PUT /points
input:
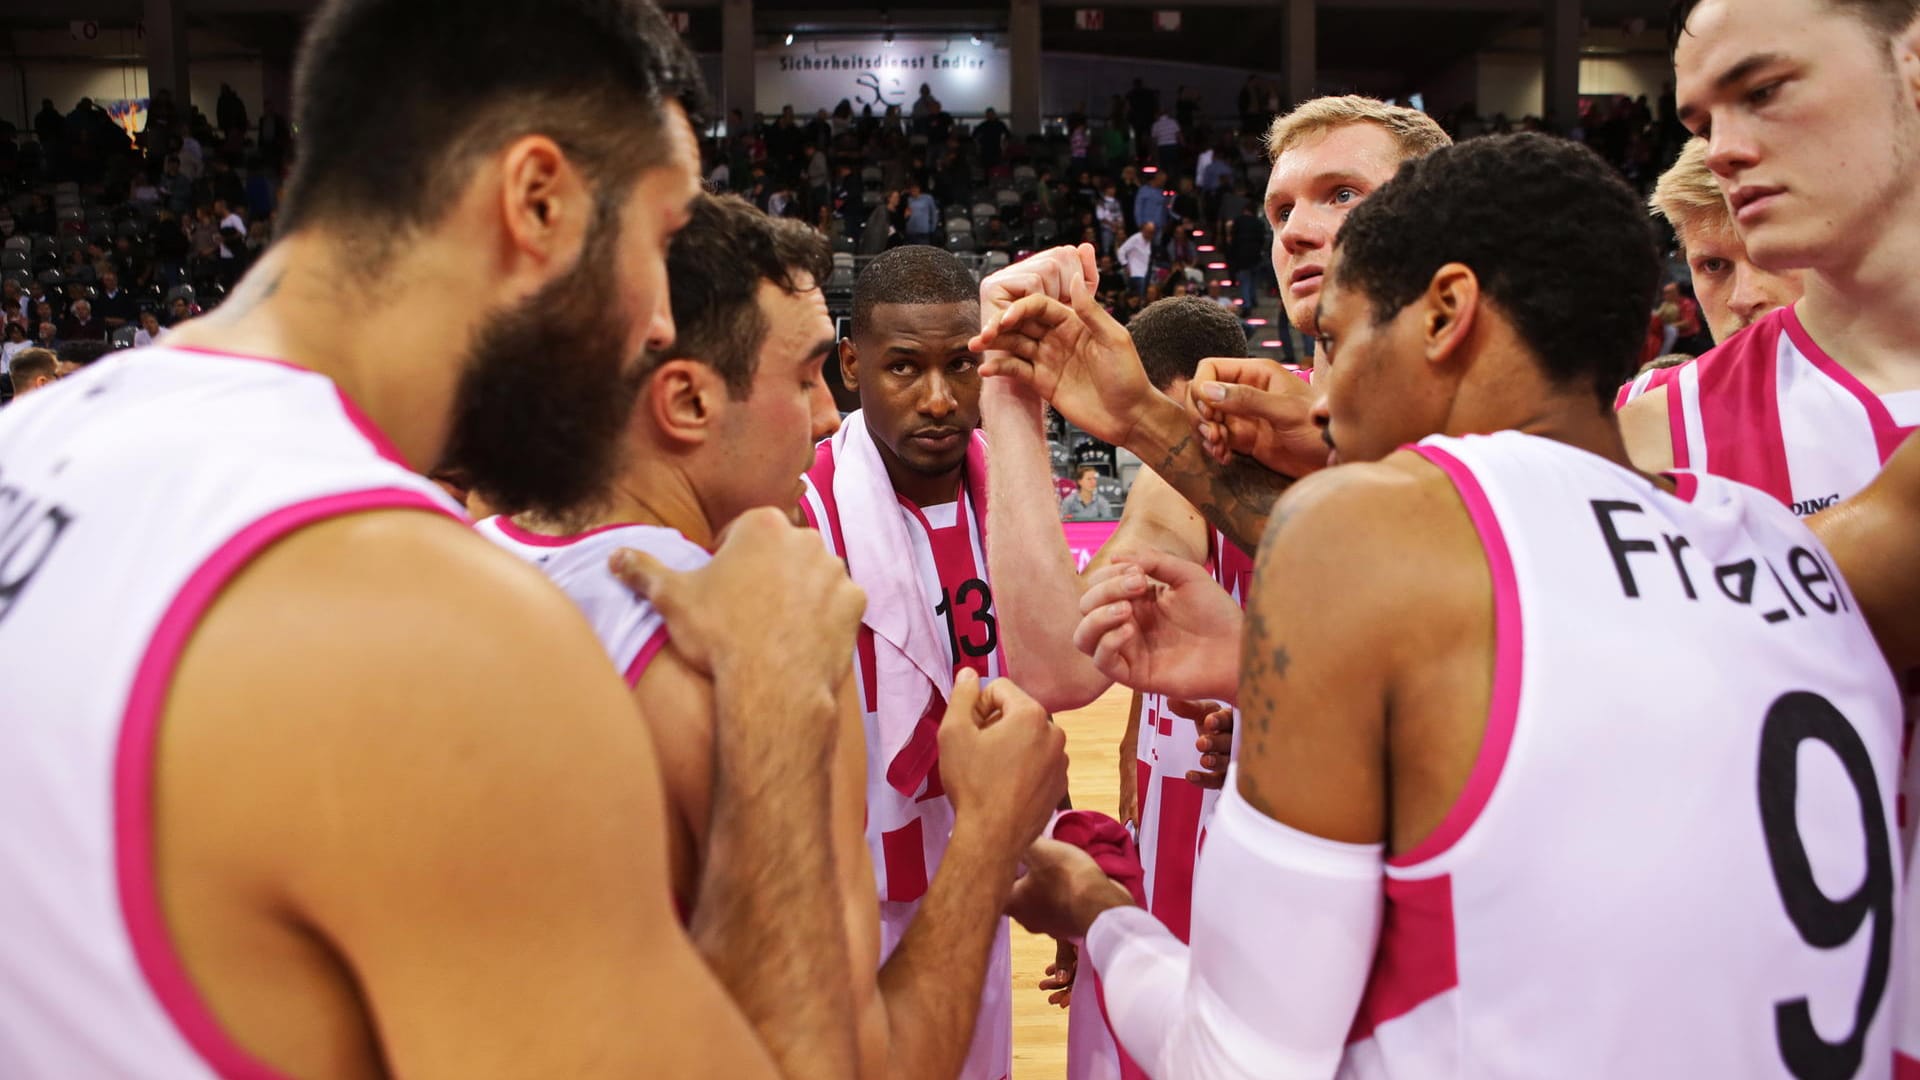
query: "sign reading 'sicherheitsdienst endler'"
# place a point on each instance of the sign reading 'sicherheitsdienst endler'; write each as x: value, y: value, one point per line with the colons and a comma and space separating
x: 817, y: 73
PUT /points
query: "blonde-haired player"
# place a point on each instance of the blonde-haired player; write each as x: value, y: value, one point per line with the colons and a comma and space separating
x: 1732, y: 290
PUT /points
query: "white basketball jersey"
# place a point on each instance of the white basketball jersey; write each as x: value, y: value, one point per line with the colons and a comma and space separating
x: 1676, y: 854
x: 130, y: 494
x: 630, y: 628
x: 908, y: 832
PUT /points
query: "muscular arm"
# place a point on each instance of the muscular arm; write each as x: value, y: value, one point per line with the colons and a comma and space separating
x: 1324, y: 691
x: 1872, y: 537
x: 374, y: 782
x: 1648, y: 435
x: 1036, y: 589
x: 1234, y: 498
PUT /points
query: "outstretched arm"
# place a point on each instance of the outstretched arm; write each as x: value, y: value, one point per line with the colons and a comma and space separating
x: 1036, y: 587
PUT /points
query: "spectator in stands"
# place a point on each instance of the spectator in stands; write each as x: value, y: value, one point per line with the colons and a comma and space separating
x: 923, y: 214
x: 1136, y: 257
x: 116, y: 305
x: 75, y: 355
x: 1150, y: 206
x: 1166, y: 144
x: 877, y: 235
x: 990, y: 135
x: 16, y: 343
x: 1112, y: 219
x: 33, y: 369
x: 924, y: 105
x: 230, y: 111
x: 13, y: 300
x: 1143, y: 104
x: 46, y: 336
x: 1246, y: 251
x: 180, y: 310
x: 1079, y: 146
x: 50, y: 128
x: 1087, y: 504
x: 80, y: 324
x: 149, y: 331
x: 229, y: 218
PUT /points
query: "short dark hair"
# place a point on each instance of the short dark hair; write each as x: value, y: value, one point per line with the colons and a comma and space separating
x: 394, y: 98
x: 1560, y: 245
x: 1887, y: 17
x: 30, y: 364
x: 913, y: 274
x: 714, y: 270
x: 1174, y: 334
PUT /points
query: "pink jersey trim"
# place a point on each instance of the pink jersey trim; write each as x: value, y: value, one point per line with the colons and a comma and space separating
x: 1887, y: 434
x: 533, y: 539
x: 1676, y: 422
x: 1504, y: 705
x: 1415, y: 961
x: 146, y: 924
x: 645, y: 656
x: 1685, y: 485
x: 355, y: 415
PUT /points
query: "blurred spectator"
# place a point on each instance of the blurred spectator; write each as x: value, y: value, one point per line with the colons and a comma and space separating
x: 231, y: 111
x: 1166, y: 144
x: 15, y: 344
x: 46, y: 335
x: 923, y: 214
x: 991, y: 136
x: 115, y: 306
x: 1136, y: 257
x: 80, y: 324
x: 1086, y: 504
x: 1150, y: 207
x: 150, y: 330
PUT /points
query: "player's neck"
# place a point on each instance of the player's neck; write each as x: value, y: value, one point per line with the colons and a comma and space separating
x: 1862, y: 316
x: 300, y: 305
x: 659, y: 496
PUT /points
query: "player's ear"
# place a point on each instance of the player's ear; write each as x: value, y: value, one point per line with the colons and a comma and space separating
x: 1450, y: 306
x: 849, y: 363
x: 1906, y: 54
x: 683, y: 399
x: 542, y: 202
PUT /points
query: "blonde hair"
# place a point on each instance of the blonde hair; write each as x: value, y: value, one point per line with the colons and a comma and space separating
x: 1687, y: 195
x: 1414, y: 131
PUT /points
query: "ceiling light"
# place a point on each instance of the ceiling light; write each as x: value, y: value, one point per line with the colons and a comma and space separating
x: 789, y: 39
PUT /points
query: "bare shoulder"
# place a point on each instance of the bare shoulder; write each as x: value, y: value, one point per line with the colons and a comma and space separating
x: 1647, y: 431
x: 405, y: 654
x: 1372, y: 540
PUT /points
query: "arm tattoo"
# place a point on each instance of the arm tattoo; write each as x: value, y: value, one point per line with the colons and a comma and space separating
x: 1235, y: 498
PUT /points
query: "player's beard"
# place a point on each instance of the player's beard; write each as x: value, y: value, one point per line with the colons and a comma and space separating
x: 548, y: 389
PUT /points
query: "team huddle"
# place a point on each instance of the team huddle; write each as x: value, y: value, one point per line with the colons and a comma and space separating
x: 1498, y: 712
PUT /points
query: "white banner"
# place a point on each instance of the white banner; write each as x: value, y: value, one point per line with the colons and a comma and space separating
x: 816, y: 73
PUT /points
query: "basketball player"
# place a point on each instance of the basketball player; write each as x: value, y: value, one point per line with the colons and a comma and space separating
x: 1811, y: 112
x: 1733, y: 292
x: 289, y: 789
x: 898, y: 493
x: 1328, y: 155
x: 722, y: 427
x: 1427, y: 815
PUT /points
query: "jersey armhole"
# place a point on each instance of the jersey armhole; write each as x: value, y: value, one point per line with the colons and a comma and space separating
x: 145, y: 922
x: 1504, y: 702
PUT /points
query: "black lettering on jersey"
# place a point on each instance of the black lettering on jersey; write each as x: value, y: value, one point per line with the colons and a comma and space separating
x: 1603, y: 511
x: 1742, y: 574
x: 1808, y: 572
x: 1675, y: 545
x: 1778, y: 580
x: 983, y: 636
x: 1808, y: 507
x: 26, y: 541
x: 1839, y: 584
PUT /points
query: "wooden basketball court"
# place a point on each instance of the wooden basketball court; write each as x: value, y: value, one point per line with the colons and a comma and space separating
x: 1093, y: 749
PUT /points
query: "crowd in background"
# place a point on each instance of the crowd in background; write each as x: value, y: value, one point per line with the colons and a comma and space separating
x: 111, y: 237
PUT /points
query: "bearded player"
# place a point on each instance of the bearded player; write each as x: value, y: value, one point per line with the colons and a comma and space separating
x: 269, y: 698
